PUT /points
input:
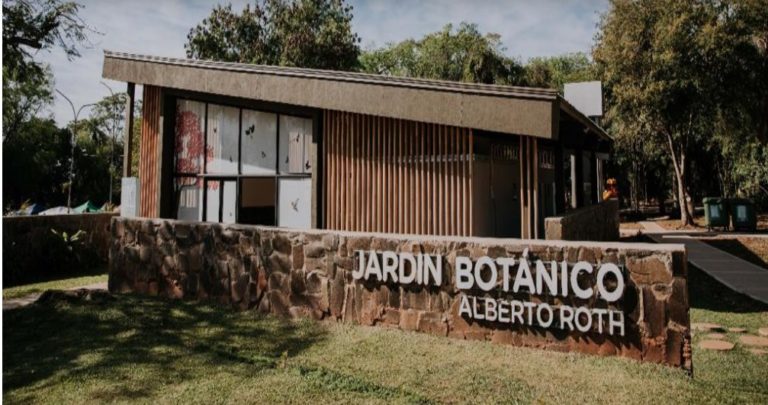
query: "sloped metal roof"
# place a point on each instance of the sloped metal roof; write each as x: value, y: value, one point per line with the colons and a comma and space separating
x: 511, y: 109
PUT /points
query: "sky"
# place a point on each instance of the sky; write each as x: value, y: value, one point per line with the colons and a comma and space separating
x: 528, y: 28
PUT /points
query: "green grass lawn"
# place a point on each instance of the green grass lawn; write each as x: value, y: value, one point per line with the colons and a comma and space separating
x: 150, y: 350
x: 37, y: 288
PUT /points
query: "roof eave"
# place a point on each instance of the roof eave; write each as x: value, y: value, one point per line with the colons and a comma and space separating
x: 569, y: 109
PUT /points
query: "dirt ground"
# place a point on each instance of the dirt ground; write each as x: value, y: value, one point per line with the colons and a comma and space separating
x: 674, y: 224
x: 751, y: 249
x: 630, y: 225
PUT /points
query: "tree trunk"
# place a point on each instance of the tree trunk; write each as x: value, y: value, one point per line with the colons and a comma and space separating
x: 683, y: 197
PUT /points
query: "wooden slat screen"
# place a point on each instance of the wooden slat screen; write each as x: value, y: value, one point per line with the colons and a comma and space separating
x: 396, y: 176
x: 149, y: 162
x: 529, y: 190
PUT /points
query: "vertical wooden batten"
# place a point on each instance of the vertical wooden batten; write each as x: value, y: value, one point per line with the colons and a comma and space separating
x: 149, y: 166
x: 397, y: 176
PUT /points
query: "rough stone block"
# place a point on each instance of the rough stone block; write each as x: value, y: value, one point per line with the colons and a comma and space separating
x: 297, y: 256
x: 315, y: 250
x: 391, y: 317
x: 649, y: 270
x: 330, y: 242
x: 278, y: 303
x: 409, y: 319
x: 336, y: 295
x: 432, y: 322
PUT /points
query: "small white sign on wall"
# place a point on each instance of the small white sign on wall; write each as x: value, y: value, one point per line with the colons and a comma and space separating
x: 129, y: 197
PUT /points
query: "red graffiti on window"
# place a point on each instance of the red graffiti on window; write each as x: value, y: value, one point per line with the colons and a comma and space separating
x: 189, y: 143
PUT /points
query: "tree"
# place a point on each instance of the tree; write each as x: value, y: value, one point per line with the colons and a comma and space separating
x: 23, y: 98
x: 303, y: 33
x: 672, y: 67
x: 30, y: 26
x: 105, y: 126
x: 554, y: 72
x: 463, y: 54
x: 35, y: 163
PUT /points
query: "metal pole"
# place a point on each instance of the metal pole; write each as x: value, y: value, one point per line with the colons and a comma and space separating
x: 112, y: 132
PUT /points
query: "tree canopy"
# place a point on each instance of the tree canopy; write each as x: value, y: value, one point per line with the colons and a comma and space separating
x: 460, y: 54
x: 303, y: 33
x: 673, y: 69
x: 28, y: 27
x: 554, y: 72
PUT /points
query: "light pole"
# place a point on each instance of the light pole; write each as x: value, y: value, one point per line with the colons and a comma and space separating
x: 112, y: 149
x: 72, y: 143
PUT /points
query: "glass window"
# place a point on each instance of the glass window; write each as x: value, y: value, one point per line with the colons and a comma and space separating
x: 188, y: 199
x: 229, y: 202
x: 295, y: 203
x: 257, y: 201
x: 212, y: 199
x: 295, y: 138
x: 259, y: 145
x: 221, y: 201
x: 222, y: 137
x: 272, y: 148
x: 188, y: 140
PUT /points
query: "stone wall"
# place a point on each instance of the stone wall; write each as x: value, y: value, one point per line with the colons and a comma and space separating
x: 309, y: 274
x: 599, y: 222
x: 31, y: 251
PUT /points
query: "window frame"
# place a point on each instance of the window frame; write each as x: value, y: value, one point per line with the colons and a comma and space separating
x: 205, y: 177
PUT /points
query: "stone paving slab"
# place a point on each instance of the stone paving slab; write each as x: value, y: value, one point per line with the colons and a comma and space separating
x: 651, y: 227
x: 736, y: 273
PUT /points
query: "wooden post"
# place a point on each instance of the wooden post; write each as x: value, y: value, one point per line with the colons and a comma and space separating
x: 578, y: 178
x: 521, y: 161
x: 128, y: 137
x: 559, y: 181
x: 535, y: 188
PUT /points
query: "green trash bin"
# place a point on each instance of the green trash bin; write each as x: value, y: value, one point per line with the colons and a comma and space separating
x: 743, y: 216
x: 716, y: 212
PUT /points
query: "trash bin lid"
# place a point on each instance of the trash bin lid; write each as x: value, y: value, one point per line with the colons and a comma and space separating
x: 740, y: 201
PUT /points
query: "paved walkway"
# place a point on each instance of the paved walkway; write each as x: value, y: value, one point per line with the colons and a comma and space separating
x: 736, y: 273
x: 29, y: 299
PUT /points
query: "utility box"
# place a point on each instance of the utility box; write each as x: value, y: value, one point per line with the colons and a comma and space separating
x: 129, y: 197
x: 716, y: 212
x: 743, y: 216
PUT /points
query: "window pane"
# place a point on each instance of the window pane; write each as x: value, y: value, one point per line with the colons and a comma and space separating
x: 188, y: 199
x: 229, y: 202
x: 294, y: 154
x: 257, y: 201
x: 259, y: 142
x: 212, y: 200
x: 188, y: 140
x: 223, y: 127
x: 295, y: 203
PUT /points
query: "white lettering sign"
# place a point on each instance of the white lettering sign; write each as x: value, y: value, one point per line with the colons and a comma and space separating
x: 515, y: 275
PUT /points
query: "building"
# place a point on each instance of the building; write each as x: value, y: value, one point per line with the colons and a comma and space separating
x: 227, y: 142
